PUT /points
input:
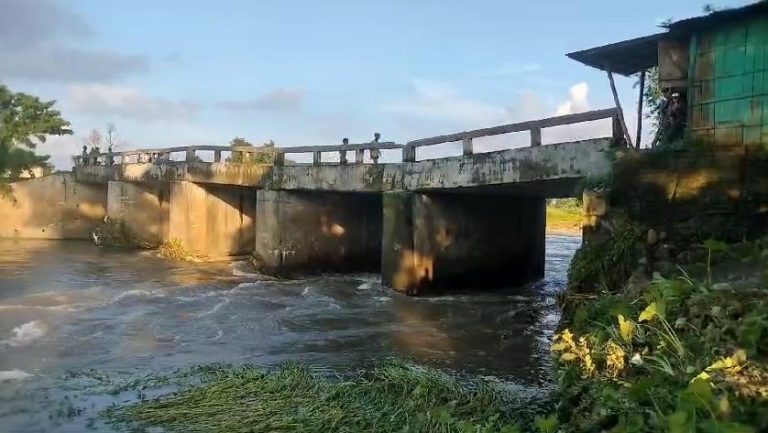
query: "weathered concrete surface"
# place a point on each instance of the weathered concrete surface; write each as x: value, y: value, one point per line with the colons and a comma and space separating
x: 144, y: 209
x: 437, y: 241
x: 52, y: 207
x: 315, y: 231
x: 213, y: 220
x: 540, y: 166
x: 255, y: 175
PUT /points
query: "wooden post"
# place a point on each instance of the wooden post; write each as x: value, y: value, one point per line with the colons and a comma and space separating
x: 466, y: 146
x: 317, y: 158
x: 216, y: 156
x: 359, y: 156
x: 639, y: 136
x: 535, y: 137
x: 618, y: 107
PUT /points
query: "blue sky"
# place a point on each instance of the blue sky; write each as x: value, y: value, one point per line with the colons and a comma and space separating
x: 306, y: 72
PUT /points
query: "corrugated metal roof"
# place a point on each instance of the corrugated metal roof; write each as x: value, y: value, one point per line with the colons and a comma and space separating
x: 635, y: 55
x: 625, y: 57
x: 691, y: 24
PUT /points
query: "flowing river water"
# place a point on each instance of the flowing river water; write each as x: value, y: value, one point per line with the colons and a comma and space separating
x: 72, y: 315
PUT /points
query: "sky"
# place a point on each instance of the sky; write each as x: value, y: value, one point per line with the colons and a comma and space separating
x: 172, y: 73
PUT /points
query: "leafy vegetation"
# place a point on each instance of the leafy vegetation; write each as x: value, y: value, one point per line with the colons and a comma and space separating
x: 112, y: 232
x: 685, y: 354
x: 393, y: 397
x: 266, y: 155
x: 604, y: 266
x: 25, y: 121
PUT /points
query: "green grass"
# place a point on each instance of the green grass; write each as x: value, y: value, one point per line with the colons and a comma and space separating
x: 564, y: 216
x: 393, y: 397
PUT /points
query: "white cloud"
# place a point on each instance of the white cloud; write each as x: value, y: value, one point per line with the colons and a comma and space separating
x: 283, y: 99
x: 577, y: 101
x: 128, y: 103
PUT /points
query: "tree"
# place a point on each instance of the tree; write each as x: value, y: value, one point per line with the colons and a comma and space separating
x: 25, y: 121
x: 94, y: 139
x: 266, y: 154
x: 110, y: 139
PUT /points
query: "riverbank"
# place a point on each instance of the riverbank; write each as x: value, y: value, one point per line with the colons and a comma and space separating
x: 564, y: 217
x: 685, y: 351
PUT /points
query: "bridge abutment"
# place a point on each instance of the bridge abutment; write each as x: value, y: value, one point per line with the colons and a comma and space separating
x: 299, y: 232
x: 434, y: 241
x: 143, y: 209
x: 213, y: 220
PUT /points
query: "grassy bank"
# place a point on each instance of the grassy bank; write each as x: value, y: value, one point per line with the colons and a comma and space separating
x: 393, y: 397
x: 564, y: 216
x: 685, y: 353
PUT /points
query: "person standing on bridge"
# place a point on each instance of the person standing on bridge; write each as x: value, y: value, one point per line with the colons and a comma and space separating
x: 343, y: 151
x: 374, y: 152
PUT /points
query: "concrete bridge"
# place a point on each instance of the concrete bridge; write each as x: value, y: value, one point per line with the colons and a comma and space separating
x: 466, y: 221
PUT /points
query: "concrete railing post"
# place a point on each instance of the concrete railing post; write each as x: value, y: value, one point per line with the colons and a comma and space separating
x: 190, y: 155
x: 216, y: 156
x: 359, y: 156
x: 409, y: 154
x: 317, y: 158
x: 535, y: 137
x: 279, y: 158
x: 466, y: 146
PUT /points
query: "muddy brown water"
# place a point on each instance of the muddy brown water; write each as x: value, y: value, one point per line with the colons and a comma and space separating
x: 70, y: 311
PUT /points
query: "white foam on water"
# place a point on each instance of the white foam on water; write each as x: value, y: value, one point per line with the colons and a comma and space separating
x: 214, y: 309
x: 365, y: 286
x: 14, y: 374
x: 26, y: 333
x: 219, y: 335
x: 382, y: 298
x: 138, y: 293
x: 306, y: 291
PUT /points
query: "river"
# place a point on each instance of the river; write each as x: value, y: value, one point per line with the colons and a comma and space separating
x: 72, y: 314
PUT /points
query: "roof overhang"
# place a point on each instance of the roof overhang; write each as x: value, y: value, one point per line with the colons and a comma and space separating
x: 625, y: 57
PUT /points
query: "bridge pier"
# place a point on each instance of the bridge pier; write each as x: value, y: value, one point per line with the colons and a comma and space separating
x: 299, y: 231
x: 143, y: 208
x: 212, y: 220
x: 435, y: 241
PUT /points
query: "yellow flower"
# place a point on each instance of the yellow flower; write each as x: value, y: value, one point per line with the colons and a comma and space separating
x: 650, y: 312
x: 626, y: 329
x: 615, y: 359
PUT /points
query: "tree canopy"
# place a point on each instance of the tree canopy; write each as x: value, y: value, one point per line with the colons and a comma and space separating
x: 25, y: 121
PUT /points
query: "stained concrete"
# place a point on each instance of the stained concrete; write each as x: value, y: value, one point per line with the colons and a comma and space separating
x: 564, y: 163
x: 213, y: 220
x: 313, y: 232
x: 455, y: 241
x: 144, y: 209
x: 52, y: 207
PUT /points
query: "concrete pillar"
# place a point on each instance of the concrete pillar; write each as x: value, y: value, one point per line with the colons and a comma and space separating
x: 142, y: 207
x: 213, y: 220
x: 459, y: 241
x: 300, y: 232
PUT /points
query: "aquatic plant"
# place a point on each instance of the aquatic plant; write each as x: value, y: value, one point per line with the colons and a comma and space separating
x: 173, y: 249
x: 393, y: 397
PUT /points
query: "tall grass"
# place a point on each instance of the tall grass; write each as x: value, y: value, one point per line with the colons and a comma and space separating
x: 393, y: 397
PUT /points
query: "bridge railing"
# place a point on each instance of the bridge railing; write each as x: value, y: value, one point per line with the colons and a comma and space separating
x: 276, y: 155
x: 533, y: 126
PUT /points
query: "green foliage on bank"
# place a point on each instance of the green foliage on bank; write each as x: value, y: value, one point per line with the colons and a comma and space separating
x: 682, y: 354
x: 605, y: 265
x: 25, y: 121
x: 112, y: 232
x: 393, y: 397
